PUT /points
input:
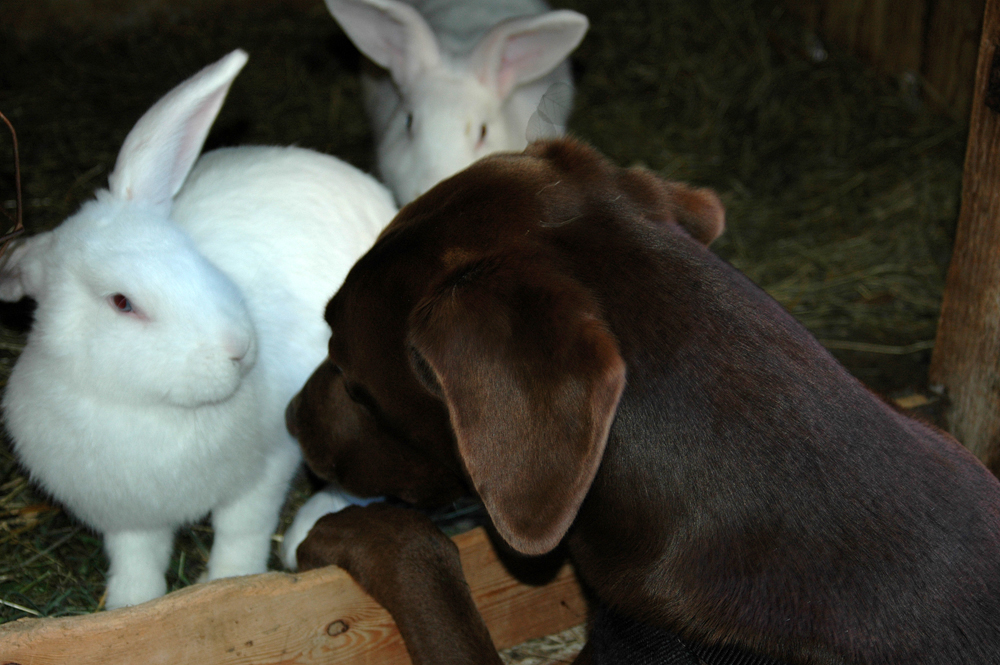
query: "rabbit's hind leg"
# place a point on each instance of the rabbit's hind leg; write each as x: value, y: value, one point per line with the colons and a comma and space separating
x: 139, y: 560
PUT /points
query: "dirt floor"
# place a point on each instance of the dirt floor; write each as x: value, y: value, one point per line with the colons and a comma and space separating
x: 841, y: 186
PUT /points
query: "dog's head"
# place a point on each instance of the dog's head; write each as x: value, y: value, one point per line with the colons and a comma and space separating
x: 466, y: 350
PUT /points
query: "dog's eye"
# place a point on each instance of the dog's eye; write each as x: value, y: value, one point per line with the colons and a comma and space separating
x: 355, y: 392
x: 359, y: 395
x: 424, y: 373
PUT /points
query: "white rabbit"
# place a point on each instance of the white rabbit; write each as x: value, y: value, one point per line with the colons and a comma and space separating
x: 330, y: 499
x: 171, y: 331
x: 466, y: 77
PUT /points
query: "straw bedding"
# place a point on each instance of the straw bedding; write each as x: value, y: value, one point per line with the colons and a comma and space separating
x: 841, y: 186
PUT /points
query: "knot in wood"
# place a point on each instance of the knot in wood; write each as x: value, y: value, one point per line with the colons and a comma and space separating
x: 338, y: 627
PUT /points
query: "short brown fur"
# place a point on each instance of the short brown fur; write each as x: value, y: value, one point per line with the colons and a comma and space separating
x: 550, y: 332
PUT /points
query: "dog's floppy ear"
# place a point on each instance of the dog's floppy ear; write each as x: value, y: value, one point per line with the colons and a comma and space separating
x: 531, y: 377
x: 697, y: 210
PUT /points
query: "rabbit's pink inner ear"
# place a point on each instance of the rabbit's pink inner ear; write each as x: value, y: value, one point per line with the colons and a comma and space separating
x: 391, y: 34
x: 520, y: 50
x: 162, y: 147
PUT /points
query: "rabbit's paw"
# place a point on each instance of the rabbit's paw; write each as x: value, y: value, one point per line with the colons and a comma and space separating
x: 139, y: 560
x: 132, y: 588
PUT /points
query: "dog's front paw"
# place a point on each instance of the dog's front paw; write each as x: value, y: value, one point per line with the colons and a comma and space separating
x: 383, y: 547
x: 330, y: 499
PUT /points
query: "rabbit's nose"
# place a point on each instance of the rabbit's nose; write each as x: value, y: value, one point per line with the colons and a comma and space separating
x: 238, y: 347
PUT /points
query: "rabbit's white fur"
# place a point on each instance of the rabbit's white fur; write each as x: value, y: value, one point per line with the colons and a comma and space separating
x: 330, y: 499
x: 465, y: 78
x: 142, y: 420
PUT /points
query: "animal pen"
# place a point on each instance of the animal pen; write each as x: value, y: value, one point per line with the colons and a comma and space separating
x: 835, y: 133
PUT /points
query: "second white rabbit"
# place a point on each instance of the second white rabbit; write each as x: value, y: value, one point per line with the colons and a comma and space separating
x: 466, y: 77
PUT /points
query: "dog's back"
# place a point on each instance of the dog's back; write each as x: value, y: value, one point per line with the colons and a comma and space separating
x: 767, y: 497
x: 554, y: 330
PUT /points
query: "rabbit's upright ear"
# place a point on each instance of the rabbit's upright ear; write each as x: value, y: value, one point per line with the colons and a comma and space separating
x: 531, y: 377
x: 160, y: 150
x: 520, y: 50
x: 22, y: 268
x: 392, y: 34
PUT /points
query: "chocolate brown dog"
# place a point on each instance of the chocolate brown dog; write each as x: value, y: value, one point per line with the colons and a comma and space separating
x: 552, y: 331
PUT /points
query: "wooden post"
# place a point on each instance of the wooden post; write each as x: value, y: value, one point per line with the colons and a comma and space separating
x: 317, y: 618
x: 966, y: 360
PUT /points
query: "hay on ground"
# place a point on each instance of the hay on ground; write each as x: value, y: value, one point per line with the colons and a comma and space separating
x: 841, y: 187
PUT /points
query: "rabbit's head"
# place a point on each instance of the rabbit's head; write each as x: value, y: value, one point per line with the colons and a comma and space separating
x: 128, y: 309
x: 443, y: 111
x: 442, y: 125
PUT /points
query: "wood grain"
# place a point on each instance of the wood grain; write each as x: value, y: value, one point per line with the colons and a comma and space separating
x: 951, y: 51
x: 887, y: 33
x: 283, y: 619
x: 967, y: 349
x: 938, y: 39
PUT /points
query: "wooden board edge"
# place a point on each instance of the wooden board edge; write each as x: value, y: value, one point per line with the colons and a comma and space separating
x: 320, y: 616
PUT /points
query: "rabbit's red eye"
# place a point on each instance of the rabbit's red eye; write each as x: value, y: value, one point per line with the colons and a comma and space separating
x: 482, y: 133
x: 121, y: 303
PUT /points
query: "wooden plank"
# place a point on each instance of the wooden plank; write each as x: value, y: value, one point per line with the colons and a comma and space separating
x: 937, y: 38
x: 841, y: 22
x: 950, y: 53
x: 282, y: 619
x: 967, y: 349
x: 888, y: 33
x: 807, y: 11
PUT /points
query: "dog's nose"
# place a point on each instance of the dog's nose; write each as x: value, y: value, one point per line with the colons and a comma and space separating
x: 290, y: 410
